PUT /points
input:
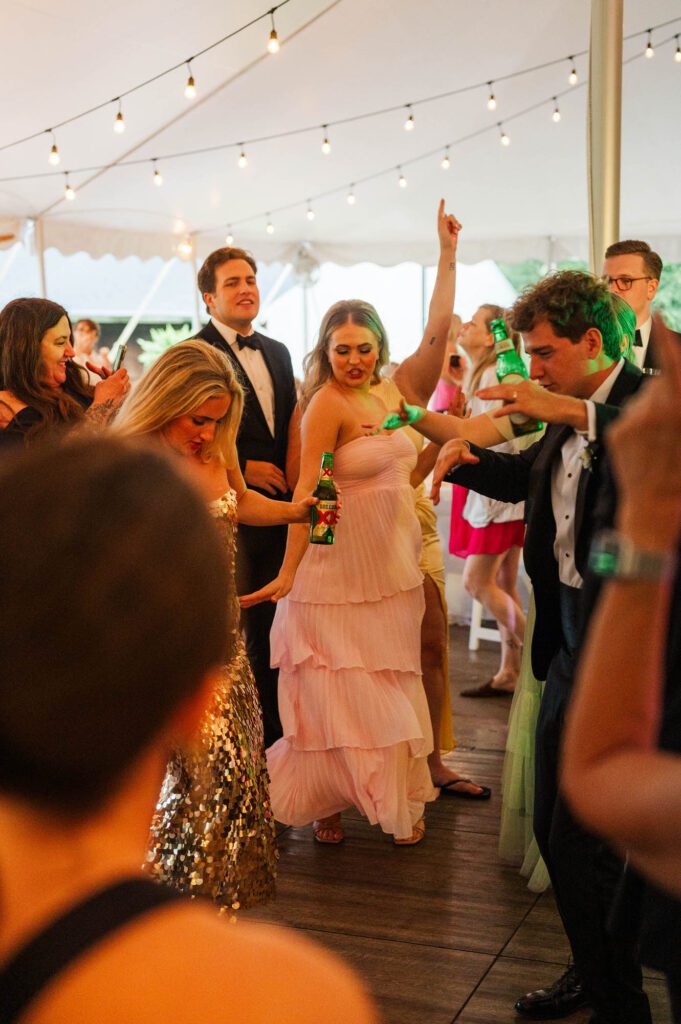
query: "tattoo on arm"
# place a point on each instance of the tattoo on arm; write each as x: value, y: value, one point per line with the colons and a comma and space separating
x: 100, y: 415
x: 432, y: 340
x: 452, y: 265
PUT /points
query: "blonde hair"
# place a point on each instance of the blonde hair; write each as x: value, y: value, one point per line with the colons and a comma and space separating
x: 181, y: 380
x: 489, y: 356
x: 316, y: 363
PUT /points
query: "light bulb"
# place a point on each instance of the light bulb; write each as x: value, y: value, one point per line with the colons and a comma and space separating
x: 54, y: 157
x: 270, y: 228
x: 402, y: 181
x: 351, y: 198
x: 119, y: 123
x: 677, y: 54
x: 229, y: 240
x: 310, y: 213
x: 326, y: 145
x: 273, y: 43
x: 190, y: 87
x: 185, y: 248
x: 69, y: 192
x: 446, y: 163
x: 491, y: 102
x: 409, y: 124
x: 556, y: 112
x: 158, y: 177
x: 650, y: 52
x: 243, y: 160
x: 572, y: 77
x: 504, y: 139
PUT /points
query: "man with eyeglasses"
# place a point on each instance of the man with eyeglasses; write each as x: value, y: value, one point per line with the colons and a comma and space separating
x: 632, y: 270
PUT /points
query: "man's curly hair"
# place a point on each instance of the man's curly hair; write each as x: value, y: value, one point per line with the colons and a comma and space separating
x: 571, y: 302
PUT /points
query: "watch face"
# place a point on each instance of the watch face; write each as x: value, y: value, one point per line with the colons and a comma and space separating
x: 604, y: 559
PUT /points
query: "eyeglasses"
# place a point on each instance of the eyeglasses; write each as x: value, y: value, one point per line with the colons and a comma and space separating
x: 623, y: 284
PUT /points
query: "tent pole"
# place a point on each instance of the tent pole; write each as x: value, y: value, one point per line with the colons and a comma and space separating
x: 151, y: 291
x: 196, y: 318
x: 604, y: 127
x: 40, y: 253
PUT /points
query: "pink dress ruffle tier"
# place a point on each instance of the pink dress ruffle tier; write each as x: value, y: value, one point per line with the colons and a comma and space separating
x: 347, y: 643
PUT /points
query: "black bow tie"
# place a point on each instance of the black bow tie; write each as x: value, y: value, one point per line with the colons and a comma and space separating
x: 638, y: 343
x: 252, y: 341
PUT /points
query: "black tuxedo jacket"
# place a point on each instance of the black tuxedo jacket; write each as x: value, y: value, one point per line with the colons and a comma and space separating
x: 651, y: 361
x: 527, y: 477
x: 254, y: 440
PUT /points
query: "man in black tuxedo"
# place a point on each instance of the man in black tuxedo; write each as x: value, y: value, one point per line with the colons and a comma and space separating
x: 632, y: 270
x: 227, y: 281
x: 571, y: 333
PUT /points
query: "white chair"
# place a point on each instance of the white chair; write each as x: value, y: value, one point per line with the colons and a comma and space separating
x: 479, y: 632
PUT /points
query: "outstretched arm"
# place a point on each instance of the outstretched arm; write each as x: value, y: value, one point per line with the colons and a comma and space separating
x: 611, y: 737
x: 255, y: 509
x: 418, y: 374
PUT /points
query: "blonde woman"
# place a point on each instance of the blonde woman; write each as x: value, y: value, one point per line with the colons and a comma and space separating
x: 213, y: 831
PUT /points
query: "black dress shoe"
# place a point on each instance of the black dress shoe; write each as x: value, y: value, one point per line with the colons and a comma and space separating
x: 564, y: 997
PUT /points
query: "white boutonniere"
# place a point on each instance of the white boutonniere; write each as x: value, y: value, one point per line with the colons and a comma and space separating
x: 587, y: 457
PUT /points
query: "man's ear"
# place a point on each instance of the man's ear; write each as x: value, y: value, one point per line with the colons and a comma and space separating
x: 594, y: 339
x: 652, y: 289
x: 209, y: 299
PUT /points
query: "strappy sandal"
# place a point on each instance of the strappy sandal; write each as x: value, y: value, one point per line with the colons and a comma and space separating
x: 416, y: 836
x: 328, y: 830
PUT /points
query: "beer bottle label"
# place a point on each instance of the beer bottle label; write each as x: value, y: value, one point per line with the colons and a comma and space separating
x: 516, y: 417
x: 324, y: 514
x: 503, y: 345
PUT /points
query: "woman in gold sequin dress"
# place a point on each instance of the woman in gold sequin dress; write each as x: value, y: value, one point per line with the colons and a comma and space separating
x: 213, y: 830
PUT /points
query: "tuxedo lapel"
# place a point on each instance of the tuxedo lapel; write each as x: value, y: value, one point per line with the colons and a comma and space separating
x: 252, y: 406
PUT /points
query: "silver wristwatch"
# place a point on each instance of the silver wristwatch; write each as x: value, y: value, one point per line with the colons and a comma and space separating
x: 616, y: 557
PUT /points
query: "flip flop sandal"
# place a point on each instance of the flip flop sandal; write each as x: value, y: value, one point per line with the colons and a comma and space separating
x: 463, y: 794
x: 486, y: 690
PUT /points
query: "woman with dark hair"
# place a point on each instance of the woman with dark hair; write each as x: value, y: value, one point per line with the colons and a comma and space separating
x: 42, y: 388
x: 213, y: 831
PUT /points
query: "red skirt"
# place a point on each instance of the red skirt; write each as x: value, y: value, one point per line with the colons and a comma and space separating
x: 495, y: 539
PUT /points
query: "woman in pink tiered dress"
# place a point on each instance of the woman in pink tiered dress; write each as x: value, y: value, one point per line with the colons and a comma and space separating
x: 347, y: 637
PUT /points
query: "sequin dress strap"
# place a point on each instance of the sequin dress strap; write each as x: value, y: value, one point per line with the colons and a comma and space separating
x: 70, y: 936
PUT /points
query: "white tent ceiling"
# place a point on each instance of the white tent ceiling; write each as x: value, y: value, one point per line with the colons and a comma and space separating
x: 339, y: 58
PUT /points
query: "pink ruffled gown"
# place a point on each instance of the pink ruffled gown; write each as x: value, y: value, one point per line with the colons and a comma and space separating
x: 347, y: 643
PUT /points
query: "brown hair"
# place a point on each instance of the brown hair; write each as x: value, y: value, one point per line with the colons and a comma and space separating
x: 206, y: 275
x: 571, y: 301
x: 632, y: 247
x: 91, y: 325
x: 488, y: 357
x: 23, y: 324
x: 316, y: 363
x: 107, y: 623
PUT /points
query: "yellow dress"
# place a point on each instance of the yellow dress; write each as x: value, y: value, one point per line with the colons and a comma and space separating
x: 213, y: 833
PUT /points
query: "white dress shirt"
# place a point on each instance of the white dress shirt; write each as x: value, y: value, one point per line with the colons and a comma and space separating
x: 565, y: 483
x: 254, y: 366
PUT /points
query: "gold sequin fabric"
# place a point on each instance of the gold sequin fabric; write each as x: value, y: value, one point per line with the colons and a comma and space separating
x: 213, y: 831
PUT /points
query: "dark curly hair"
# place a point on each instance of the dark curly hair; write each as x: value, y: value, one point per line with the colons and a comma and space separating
x: 571, y: 302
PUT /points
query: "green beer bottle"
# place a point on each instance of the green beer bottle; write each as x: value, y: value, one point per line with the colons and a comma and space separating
x: 323, y: 515
x: 511, y: 370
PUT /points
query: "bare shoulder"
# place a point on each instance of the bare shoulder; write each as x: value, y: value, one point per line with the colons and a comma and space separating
x: 187, y: 965
x: 325, y: 401
x: 10, y: 405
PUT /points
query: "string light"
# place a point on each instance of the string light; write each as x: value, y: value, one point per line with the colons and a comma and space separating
x: 54, y: 157
x: 410, y: 123
x: 677, y: 54
x: 190, y: 87
x: 119, y: 123
x: 243, y: 159
x: 273, y: 43
x: 573, y: 77
x: 555, y: 116
x: 491, y: 102
x: 401, y: 181
x: 69, y: 192
x: 185, y: 248
x: 310, y: 212
x: 446, y: 163
x: 351, y: 198
x: 157, y: 176
x: 270, y: 226
x: 650, y: 52
x: 503, y: 137
x: 229, y: 240
x: 326, y: 145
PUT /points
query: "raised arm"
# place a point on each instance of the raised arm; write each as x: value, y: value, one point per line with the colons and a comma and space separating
x: 320, y: 428
x: 418, y: 374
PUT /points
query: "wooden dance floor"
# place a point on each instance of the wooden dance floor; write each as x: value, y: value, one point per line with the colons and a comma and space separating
x: 443, y: 931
